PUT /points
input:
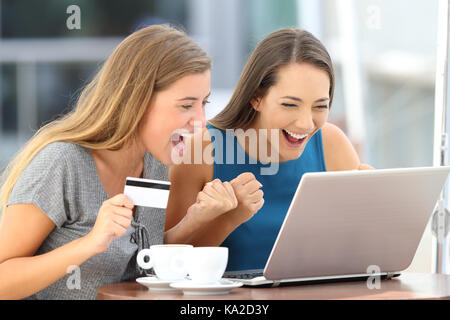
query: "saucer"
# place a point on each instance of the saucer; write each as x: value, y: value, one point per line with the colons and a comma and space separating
x: 194, y: 289
x: 153, y: 283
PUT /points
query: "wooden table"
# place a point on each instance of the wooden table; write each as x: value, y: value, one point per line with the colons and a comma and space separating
x: 406, y: 286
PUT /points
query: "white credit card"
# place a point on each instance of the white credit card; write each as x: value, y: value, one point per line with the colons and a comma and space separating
x: 147, y: 193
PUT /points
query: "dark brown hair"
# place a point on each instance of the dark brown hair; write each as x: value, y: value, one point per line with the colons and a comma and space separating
x: 278, y: 49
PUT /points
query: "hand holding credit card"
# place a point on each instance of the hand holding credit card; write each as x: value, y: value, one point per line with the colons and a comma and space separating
x: 147, y: 193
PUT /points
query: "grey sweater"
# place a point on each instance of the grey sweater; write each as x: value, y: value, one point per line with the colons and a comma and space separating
x: 62, y: 181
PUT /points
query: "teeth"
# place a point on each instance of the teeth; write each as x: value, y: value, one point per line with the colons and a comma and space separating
x: 187, y: 135
x: 295, y: 135
x: 180, y: 133
x: 175, y: 137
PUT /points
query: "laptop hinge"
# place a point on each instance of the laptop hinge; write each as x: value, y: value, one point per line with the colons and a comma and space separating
x: 276, y: 284
x: 390, y: 275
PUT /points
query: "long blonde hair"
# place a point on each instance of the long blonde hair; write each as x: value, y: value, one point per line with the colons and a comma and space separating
x: 110, y: 108
x: 278, y: 49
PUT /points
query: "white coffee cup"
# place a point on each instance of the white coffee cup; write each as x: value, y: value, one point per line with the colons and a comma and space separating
x: 206, y: 265
x: 167, y: 260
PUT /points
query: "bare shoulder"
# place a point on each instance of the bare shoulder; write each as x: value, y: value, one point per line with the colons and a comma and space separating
x: 338, y: 150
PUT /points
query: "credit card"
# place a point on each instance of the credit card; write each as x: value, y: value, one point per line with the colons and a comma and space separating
x: 147, y: 192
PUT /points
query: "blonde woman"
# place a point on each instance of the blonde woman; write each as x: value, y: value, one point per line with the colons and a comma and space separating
x: 277, y: 121
x: 64, y: 213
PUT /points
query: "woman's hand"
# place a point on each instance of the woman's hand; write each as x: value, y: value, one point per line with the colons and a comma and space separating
x: 250, y: 196
x: 113, y: 220
x: 364, y: 166
x: 216, y: 198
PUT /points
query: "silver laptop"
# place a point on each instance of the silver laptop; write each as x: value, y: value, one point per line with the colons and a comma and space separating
x: 350, y: 225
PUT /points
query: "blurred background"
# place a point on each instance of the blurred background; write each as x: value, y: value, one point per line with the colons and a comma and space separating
x: 384, y: 54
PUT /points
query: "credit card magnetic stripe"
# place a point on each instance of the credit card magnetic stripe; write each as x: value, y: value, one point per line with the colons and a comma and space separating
x: 146, y: 184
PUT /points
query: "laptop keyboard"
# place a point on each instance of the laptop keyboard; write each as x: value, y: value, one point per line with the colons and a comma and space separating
x: 245, y: 274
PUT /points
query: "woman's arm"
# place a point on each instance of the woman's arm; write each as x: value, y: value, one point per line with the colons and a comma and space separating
x: 215, y: 199
x: 187, y: 180
x: 214, y: 224
x: 23, y: 229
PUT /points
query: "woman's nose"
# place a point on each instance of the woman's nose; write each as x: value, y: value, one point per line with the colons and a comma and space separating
x: 305, y: 121
x: 198, y: 118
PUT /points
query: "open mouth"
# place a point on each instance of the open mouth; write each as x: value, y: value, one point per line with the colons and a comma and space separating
x: 178, y: 140
x: 294, y: 139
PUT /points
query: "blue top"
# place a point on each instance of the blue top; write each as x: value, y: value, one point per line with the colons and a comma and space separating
x: 251, y: 243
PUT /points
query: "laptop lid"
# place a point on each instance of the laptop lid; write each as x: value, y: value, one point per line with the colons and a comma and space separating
x: 342, y: 223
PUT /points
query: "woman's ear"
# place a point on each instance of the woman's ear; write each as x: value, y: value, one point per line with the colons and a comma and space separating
x: 255, y: 102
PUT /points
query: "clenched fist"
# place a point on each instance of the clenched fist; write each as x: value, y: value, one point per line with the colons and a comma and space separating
x: 216, y: 198
x: 249, y: 194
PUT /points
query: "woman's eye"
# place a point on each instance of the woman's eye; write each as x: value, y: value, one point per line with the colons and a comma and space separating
x: 289, y: 105
x: 322, y: 107
x: 205, y: 102
x: 187, y: 106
